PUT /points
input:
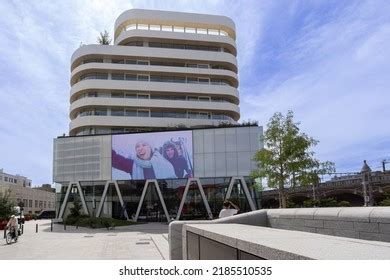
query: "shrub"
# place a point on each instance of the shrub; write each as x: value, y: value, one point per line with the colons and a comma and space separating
x: 344, y: 203
x: 385, y: 202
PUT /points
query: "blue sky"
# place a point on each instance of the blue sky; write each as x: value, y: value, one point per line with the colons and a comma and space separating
x: 328, y: 61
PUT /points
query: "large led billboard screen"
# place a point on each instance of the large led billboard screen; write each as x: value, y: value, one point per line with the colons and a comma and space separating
x: 157, y: 155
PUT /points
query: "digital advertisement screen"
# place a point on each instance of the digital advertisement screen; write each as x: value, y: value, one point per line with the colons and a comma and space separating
x: 157, y: 155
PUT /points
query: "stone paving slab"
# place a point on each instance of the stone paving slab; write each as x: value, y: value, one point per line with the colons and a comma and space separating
x: 135, y: 242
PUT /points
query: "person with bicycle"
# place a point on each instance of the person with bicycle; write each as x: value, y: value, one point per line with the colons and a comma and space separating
x: 12, y: 225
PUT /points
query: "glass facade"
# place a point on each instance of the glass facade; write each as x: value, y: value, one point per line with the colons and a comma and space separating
x: 194, y: 208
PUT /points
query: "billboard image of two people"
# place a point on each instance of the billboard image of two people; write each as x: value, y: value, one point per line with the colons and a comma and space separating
x: 157, y: 155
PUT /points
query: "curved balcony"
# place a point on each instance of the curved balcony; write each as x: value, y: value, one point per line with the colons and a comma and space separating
x: 148, y: 69
x: 174, y: 18
x: 211, y: 90
x: 176, y: 37
x: 218, y: 107
x: 112, y: 121
x: 98, y: 51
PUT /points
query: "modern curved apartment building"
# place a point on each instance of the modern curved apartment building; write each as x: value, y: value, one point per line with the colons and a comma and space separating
x: 164, y: 70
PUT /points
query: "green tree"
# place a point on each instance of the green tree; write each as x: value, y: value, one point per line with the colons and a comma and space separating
x: 104, y: 38
x: 287, y: 161
x: 75, y: 210
x: 6, y: 205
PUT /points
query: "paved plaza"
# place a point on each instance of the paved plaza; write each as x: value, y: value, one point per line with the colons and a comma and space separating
x: 136, y: 242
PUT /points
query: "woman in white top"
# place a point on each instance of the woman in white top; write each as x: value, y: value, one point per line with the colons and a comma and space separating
x: 229, y: 209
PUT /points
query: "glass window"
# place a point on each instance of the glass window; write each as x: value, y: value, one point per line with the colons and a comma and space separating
x: 115, y: 76
x: 117, y: 61
x: 203, y: 115
x: 131, y: 113
x: 143, y: 77
x: 131, y: 77
x: 131, y: 27
x: 131, y: 95
x: 203, y: 66
x: 178, y: 29
x: 155, y: 27
x: 213, y: 31
x: 143, y: 62
x: 44, y: 204
x: 204, y: 80
x: 192, y: 115
x: 190, y: 30
x: 30, y: 203
x: 36, y: 203
x: 204, y: 98
x: 192, y: 98
x: 92, y: 94
x: 223, y: 33
x: 101, y: 112
x: 143, y: 96
x: 143, y: 26
x: 143, y: 113
x: 201, y: 31
x: 166, y: 28
x: 193, y: 65
x: 131, y: 61
x: 117, y: 95
x: 117, y: 112
x: 192, y: 80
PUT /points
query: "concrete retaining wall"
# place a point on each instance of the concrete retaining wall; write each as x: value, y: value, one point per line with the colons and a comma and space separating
x: 369, y: 223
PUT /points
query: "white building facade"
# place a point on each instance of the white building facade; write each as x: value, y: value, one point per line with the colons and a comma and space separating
x: 164, y: 70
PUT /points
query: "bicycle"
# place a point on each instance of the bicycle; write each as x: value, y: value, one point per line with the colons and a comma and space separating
x: 11, y: 235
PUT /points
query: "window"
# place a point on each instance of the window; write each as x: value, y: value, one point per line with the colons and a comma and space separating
x: 223, y: 33
x: 30, y: 203
x: 143, y: 96
x: 44, y: 204
x: 36, y: 203
x: 192, y: 98
x: 204, y: 80
x: 203, y: 115
x: 178, y: 29
x: 117, y: 112
x: 131, y: 113
x: 40, y: 204
x: 192, y: 80
x: 190, y: 30
x: 115, y: 76
x: 193, y: 65
x: 118, y: 61
x: 92, y: 94
x: 213, y: 31
x: 166, y: 28
x: 143, y: 62
x: 117, y: 95
x: 131, y: 77
x: 155, y: 27
x: 131, y: 95
x: 131, y: 27
x: 204, y: 98
x: 201, y: 30
x: 6, y: 178
x: 143, y: 113
x: 143, y: 26
x: 131, y: 61
x: 100, y: 112
x: 143, y: 78
x: 203, y: 66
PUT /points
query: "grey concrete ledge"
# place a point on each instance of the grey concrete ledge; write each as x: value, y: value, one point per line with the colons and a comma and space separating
x: 271, y: 243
